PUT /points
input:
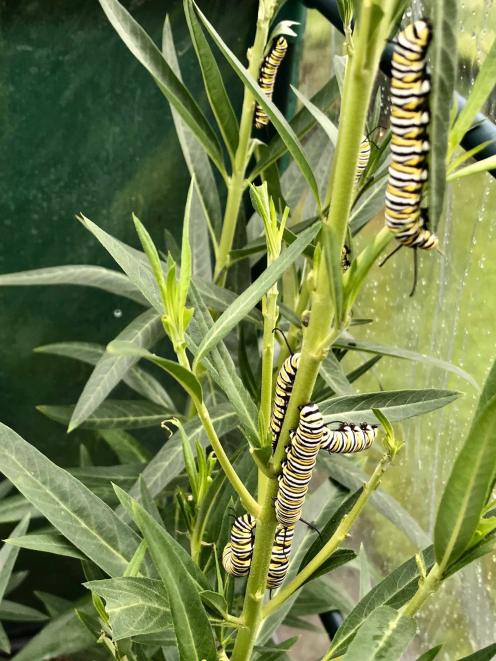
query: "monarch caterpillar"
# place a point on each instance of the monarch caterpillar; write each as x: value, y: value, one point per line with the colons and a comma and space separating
x: 298, y: 466
x: 279, y: 559
x: 345, y: 258
x: 284, y: 387
x: 237, y: 554
x: 349, y: 438
x: 408, y: 171
x: 363, y: 158
x: 267, y: 77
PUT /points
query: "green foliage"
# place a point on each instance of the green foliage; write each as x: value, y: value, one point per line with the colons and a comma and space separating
x: 150, y: 531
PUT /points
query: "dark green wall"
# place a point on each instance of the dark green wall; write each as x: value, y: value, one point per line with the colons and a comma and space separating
x: 82, y: 128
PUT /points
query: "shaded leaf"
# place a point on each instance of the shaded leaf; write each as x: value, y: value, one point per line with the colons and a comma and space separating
x: 196, y: 159
x: 395, y: 404
x: 397, y: 352
x: 142, y: 332
x: 193, y: 633
x: 214, y: 85
x: 125, y: 446
x: 250, y: 297
x: 74, y: 510
x: 383, y: 636
x: 443, y: 52
x: 332, y: 373
x: 76, y: 274
x: 430, y: 654
x: 46, y: 542
x: 278, y: 120
x: 394, y: 590
x: 10, y: 611
x: 467, y: 488
x: 8, y: 556
x: 112, y: 414
x: 344, y: 471
x: 136, y: 378
x: 135, y: 606
x: 147, y: 53
x: 484, y: 654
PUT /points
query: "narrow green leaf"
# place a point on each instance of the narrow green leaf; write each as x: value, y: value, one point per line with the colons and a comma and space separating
x: 46, y: 542
x: 320, y: 596
x: 250, y: 297
x: 147, y: 53
x: 484, y: 654
x: 384, y: 636
x: 196, y: 159
x: 443, y: 52
x: 221, y: 368
x: 321, y: 118
x: 485, y: 547
x: 15, y: 508
x: 4, y: 640
x: 395, y: 404
x: 214, y: 85
x: 193, y: 632
x: 330, y: 527
x: 168, y: 462
x: 301, y: 123
x: 142, y: 332
x: 481, y: 89
x: 10, y: 611
x: 152, y: 255
x: 136, y: 378
x: 136, y: 266
x: 182, y: 555
x: 368, y: 205
x: 63, y: 635
x: 332, y: 373
x: 135, y: 606
x: 335, y: 560
x: 344, y: 471
x: 146, y: 499
x: 484, y: 165
x: 53, y: 604
x: 397, y: 352
x: 8, y: 555
x: 17, y: 578
x: 430, y: 654
x: 112, y: 414
x: 73, y: 509
x: 280, y: 124
x: 184, y: 377
x: 467, y: 488
x: 125, y: 446
x: 186, y: 261
x: 394, y: 590
x: 76, y: 274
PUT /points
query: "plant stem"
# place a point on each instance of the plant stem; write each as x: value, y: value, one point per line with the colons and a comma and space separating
x: 255, y: 588
x: 426, y: 587
x: 237, y: 183
x: 320, y: 333
x: 270, y: 313
x: 332, y: 544
x: 245, y: 496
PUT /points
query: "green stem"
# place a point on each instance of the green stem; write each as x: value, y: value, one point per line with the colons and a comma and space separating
x: 245, y: 496
x: 255, y: 588
x: 334, y: 542
x: 270, y: 313
x: 427, y: 586
x: 237, y: 183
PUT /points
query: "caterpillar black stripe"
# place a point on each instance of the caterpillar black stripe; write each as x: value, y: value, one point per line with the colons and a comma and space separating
x: 349, y: 438
x: 238, y: 553
x: 408, y: 172
x: 284, y: 387
x: 298, y: 466
x: 363, y: 158
x: 267, y: 77
x: 279, y: 560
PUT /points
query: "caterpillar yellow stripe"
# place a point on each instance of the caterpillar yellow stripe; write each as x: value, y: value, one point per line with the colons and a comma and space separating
x: 267, y: 77
x: 408, y: 171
